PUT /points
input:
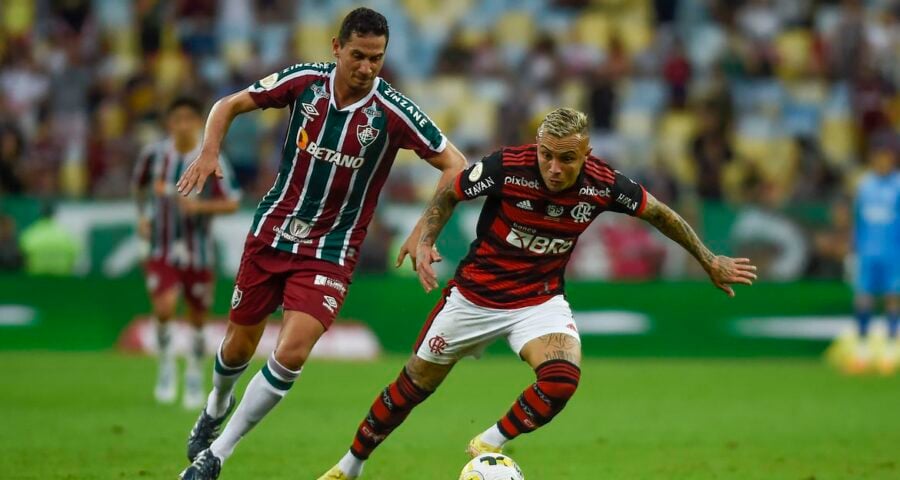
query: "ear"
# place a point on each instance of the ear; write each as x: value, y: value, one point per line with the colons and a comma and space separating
x: 335, y: 46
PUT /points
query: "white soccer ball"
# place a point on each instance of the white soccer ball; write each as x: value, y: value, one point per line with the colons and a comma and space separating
x: 492, y: 466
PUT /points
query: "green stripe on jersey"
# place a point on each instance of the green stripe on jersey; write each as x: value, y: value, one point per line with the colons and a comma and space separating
x: 333, y: 243
x: 420, y: 121
x: 288, y: 156
x: 314, y: 194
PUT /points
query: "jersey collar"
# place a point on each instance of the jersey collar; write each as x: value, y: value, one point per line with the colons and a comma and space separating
x: 353, y: 106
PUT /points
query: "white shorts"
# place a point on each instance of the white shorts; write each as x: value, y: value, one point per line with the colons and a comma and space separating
x: 461, y: 328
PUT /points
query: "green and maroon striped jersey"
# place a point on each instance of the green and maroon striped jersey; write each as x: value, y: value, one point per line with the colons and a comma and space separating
x: 334, y: 161
x: 180, y: 240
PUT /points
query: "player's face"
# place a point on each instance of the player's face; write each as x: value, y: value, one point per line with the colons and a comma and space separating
x: 561, y: 159
x: 184, y: 124
x: 360, y: 60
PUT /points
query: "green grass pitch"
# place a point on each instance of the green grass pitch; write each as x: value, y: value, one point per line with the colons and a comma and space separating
x: 91, y: 415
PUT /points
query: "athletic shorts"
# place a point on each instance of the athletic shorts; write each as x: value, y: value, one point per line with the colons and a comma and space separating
x: 268, y: 278
x: 457, y: 327
x: 195, y: 284
x: 878, y: 276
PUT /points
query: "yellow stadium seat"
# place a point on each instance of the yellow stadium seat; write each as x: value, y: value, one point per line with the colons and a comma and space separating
x: 838, y: 138
x: 594, y: 29
x: 676, y: 130
x: 515, y: 29
x: 313, y: 42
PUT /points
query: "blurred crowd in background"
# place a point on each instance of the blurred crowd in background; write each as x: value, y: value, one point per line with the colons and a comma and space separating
x: 760, y: 109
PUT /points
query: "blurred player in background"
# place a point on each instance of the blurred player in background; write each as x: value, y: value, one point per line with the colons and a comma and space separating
x: 346, y: 127
x: 540, y: 198
x: 181, y: 253
x: 876, y: 245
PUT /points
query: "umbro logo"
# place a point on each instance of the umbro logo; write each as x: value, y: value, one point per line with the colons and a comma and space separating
x: 309, y: 110
x: 525, y: 205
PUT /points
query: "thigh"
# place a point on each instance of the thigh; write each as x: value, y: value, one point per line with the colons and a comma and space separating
x: 317, y: 292
x: 546, y: 332
x: 457, y: 328
x: 869, y: 276
x: 160, y: 277
x: 198, y: 290
x: 299, y: 334
x: 257, y: 290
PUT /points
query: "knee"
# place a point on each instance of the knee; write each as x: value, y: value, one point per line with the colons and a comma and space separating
x: 292, y: 356
x: 236, y: 351
x: 558, y: 380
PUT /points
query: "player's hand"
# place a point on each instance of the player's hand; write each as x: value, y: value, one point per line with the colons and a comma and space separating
x: 143, y: 228
x: 409, y: 248
x: 425, y: 256
x: 196, y: 174
x: 725, y: 271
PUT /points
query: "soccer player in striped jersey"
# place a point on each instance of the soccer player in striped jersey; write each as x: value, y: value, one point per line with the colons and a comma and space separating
x: 181, y: 248
x: 346, y: 127
x: 540, y: 198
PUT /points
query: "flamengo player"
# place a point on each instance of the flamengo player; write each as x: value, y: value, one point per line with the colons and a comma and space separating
x: 181, y: 249
x: 539, y: 200
x: 345, y: 129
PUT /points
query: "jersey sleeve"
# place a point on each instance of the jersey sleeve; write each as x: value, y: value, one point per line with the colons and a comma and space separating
x: 142, y: 168
x: 628, y: 196
x: 484, y: 177
x: 420, y: 134
x: 227, y: 186
x: 280, y: 89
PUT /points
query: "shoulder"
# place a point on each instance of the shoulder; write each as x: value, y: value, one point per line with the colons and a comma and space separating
x: 397, y: 102
x: 598, y: 171
x: 519, y: 155
x: 298, y: 71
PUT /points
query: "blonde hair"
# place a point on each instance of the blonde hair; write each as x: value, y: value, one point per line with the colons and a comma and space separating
x: 563, y: 122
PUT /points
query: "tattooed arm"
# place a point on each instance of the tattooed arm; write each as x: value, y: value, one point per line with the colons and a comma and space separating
x: 433, y: 220
x: 722, y: 270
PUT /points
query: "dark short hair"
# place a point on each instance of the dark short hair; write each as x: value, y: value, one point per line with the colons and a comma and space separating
x: 188, y: 102
x: 363, y: 21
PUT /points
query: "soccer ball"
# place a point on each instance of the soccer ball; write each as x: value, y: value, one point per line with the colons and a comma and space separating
x: 491, y: 466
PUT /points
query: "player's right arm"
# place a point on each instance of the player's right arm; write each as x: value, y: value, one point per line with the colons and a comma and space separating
x: 482, y: 178
x: 220, y: 117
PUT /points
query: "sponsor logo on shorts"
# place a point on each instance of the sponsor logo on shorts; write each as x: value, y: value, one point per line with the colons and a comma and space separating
x: 437, y: 344
x: 236, y: 297
x: 330, y: 303
x: 330, y: 282
x: 572, y: 327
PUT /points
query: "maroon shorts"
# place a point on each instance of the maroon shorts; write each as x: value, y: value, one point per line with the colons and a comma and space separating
x: 195, y: 284
x: 268, y: 277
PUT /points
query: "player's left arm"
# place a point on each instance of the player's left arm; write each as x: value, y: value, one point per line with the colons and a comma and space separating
x: 430, y: 225
x: 450, y: 162
x: 723, y: 271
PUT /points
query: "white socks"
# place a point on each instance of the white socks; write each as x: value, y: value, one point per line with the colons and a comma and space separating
x: 492, y: 436
x: 350, y: 465
x: 265, y: 390
x: 224, y: 378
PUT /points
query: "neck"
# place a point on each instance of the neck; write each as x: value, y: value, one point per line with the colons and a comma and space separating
x: 185, y: 145
x: 346, y: 95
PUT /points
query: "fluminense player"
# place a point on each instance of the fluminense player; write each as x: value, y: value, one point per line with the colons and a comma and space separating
x: 876, y: 245
x: 181, y: 256
x: 346, y: 127
x: 539, y: 199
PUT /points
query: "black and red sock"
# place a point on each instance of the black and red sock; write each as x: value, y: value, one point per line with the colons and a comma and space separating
x: 556, y: 382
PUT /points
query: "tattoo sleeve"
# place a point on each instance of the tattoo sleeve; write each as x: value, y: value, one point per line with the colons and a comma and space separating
x: 673, y: 226
x: 437, y: 213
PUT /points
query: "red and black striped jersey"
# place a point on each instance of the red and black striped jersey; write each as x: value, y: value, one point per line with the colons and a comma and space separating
x: 176, y: 238
x: 526, y: 232
x: 334, y: 161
